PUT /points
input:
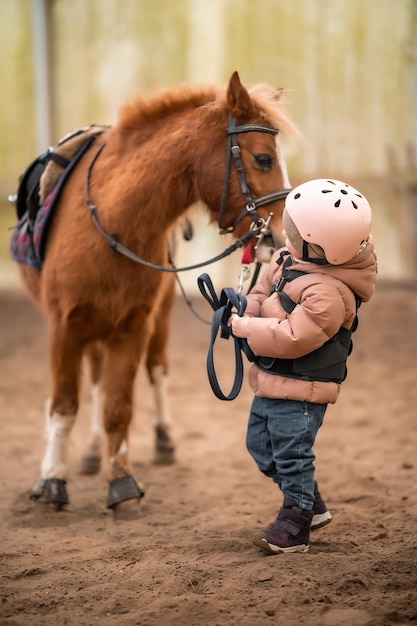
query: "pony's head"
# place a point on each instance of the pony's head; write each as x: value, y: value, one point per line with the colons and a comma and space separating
x: 255, y: 180
x: 217, y: 145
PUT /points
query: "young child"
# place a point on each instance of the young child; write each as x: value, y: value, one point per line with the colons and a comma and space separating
x: 298, y: 322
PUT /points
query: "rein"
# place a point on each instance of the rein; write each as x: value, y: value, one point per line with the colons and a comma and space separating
x: 116, y: 246
x: 259, y: 226
x: 229, y: 300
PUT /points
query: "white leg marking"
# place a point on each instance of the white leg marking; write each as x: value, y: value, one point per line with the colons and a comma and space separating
x: 122, y: 451
x: 96, y: 409
x: 94, y: 445
x: 123, y: 448
x: 163, y: 409
x: 58, y: 428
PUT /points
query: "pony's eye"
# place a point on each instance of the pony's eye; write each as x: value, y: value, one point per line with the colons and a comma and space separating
x: 263, y: 161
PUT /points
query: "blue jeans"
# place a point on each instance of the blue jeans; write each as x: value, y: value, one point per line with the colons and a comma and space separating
x: 280, y: 438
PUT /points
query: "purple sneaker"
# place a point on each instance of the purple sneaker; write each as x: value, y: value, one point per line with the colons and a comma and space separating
x: 321, y: 516
x: 289, y: 533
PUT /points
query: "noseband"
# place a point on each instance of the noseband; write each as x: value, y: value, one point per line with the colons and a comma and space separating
x: 233, y: 150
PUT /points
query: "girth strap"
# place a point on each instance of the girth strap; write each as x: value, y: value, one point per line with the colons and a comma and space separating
x: 222, y: 308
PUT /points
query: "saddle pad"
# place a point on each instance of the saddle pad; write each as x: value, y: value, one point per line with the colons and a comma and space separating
x: 28, y: 241
x: 25, y: 243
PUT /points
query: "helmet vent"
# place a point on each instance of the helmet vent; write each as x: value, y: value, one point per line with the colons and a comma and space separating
x: 326, y: 190
x: 343, y: 191
x: 337, y: 203
x: 297, y: 195
x: 355, y: 206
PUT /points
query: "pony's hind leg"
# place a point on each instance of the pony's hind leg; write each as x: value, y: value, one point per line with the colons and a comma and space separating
x: 61, y: 410
x: 157, y: 367
x: 91, y: 458
x: 119, y: 375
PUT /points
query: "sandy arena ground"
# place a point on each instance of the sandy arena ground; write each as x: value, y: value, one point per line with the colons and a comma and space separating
x: 186, y: 556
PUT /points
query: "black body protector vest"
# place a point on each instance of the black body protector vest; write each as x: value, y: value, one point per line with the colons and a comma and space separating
x: 325, y: 364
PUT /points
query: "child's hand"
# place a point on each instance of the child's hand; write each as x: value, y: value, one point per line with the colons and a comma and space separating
x: 239, y: 325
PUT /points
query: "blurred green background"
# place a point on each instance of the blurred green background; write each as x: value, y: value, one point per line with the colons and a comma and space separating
x: 349, y: 69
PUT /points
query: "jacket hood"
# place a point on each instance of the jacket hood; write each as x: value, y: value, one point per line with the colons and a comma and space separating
x: 359, y: 274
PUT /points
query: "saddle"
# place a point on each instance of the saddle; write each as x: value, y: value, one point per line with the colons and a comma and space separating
x: 42, y: 175
x: 39, y: 190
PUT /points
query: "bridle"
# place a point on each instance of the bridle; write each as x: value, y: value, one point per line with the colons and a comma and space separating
x: 233, y: 150
x: 259, y: 227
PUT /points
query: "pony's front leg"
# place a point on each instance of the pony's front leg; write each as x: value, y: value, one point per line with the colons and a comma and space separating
x: 61, y: 410
x: 119, y: 375
x: 157, y: 367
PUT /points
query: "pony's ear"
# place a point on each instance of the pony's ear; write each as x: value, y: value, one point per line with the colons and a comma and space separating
x: 278, y: 93
x: 238, y: 98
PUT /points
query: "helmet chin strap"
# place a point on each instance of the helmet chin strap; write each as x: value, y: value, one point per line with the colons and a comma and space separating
x: 305, y: 256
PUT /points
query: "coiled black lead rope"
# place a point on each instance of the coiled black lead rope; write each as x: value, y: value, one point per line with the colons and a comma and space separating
x: 222, y: 308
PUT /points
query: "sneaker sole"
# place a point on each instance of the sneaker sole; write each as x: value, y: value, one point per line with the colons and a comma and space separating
x: 320, y: 519
x: 270, y: 548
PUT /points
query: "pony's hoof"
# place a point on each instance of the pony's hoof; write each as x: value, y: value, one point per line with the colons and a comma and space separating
x: 121, y: 489
x: 52, y: 491
x: 90, y: 465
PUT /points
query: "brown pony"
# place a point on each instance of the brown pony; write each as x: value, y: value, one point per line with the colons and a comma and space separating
x: 126, y: 194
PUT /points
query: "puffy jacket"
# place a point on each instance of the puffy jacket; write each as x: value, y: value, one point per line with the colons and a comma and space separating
x: 325, y: 302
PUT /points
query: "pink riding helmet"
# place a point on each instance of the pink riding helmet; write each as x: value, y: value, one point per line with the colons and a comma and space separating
x: 333, y: 215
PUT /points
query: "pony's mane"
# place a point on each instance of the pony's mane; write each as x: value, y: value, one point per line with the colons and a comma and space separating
x: 140, y: 110
x: 271, y: 103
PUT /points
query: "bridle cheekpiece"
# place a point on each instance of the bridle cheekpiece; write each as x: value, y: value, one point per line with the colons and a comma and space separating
x: 259, y: 224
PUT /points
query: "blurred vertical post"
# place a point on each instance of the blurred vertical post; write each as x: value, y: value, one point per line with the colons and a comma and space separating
x: 40, y: 30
